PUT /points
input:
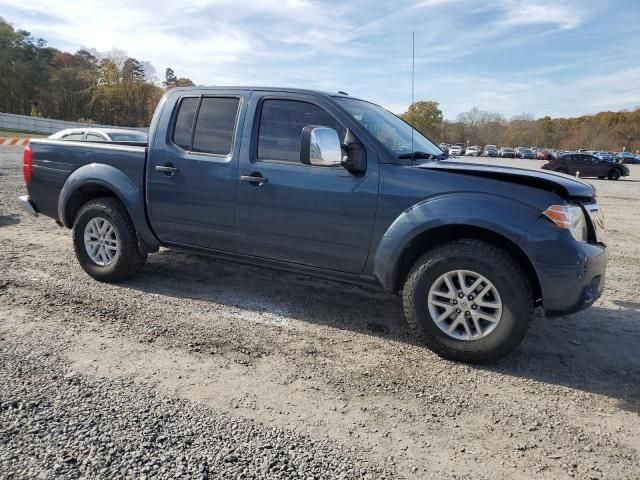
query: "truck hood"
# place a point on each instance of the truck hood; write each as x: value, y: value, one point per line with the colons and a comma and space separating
x: 563, y: 185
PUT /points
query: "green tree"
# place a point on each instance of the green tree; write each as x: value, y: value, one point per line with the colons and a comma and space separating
x: 426, y: 117
x: 171, y: 81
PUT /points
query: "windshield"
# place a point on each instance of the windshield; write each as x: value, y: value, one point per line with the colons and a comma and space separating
x: 391, y: 131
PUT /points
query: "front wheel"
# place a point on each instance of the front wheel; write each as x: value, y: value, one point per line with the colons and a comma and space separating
x: 469, y: 301
x: 614, y: 174
x: 105, y: 241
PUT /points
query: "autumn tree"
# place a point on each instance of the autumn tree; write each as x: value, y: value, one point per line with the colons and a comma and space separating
x: 426, y: 117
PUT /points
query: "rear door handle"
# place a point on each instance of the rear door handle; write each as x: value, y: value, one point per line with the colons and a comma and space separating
x: 254, y: 179
x: 169, y: 169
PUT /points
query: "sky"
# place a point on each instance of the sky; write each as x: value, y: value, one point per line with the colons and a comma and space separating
x: 544, y: 57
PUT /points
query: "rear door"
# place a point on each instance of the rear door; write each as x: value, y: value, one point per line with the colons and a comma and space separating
x: 191, y: 174
x: 311, y: 215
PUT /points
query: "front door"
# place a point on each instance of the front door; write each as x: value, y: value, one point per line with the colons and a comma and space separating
x: 191, y: 177
x: 288, y: 211
x: 586, y: 165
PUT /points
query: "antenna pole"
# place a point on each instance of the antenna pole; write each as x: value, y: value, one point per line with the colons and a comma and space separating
x: 413, y: 75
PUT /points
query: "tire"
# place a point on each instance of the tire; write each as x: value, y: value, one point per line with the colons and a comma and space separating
x: 500, y: 269
x: 614, y: 174
x: 127, y: 259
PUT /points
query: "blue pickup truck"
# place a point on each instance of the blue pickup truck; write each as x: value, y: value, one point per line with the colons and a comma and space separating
x: 336, y: 187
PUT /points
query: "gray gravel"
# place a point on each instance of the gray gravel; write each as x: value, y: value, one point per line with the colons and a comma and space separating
x: 59, y: 424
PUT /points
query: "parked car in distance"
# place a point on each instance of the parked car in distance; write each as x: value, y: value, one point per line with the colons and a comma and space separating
x: 462, y: 147
x: 100, y: 135
x: 304, y: 181
x: 491, y: 151
x: 456, y: 151
x: 526, y: 153
x: 507, y: 152
x: 603, y: 156
x: 444, y: 147
x: 627, y: 157
x: 583, y: 165
x: 473, y: 151
x: 544, y: 155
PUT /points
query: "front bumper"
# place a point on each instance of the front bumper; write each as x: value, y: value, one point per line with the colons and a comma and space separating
x: 25, y: 201
x: 571, y: 273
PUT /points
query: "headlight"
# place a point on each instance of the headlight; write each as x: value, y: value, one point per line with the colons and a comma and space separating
x: 570, y: 217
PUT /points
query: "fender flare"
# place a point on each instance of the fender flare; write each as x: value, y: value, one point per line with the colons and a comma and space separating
x: 503, y: 216
x: 131, y: 196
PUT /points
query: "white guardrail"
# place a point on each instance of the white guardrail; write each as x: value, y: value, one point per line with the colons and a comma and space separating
x: 10, y: 121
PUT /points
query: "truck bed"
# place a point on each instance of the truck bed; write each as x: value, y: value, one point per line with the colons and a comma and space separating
x: 54, y: 161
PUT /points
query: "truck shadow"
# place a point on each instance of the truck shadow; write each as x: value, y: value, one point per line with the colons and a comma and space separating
x: 594, y: 351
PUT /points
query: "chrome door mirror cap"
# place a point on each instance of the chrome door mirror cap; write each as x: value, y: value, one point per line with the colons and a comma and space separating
x: 320, y: 146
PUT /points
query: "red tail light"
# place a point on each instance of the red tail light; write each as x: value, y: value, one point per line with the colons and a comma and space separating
x: 27, y: 164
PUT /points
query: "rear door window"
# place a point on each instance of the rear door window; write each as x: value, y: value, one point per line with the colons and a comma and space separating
x: 215, y: 125
x: 92, y: 137
x: 78, y: 136
x: 184, y: 122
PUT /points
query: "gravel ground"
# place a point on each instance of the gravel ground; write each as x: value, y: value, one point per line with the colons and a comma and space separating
x: 203, y: 368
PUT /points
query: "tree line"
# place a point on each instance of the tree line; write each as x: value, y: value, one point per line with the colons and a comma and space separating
x: 108, y: 88
x: 610, y: 131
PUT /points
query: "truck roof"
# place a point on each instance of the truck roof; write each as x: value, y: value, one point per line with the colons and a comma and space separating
x: 263, y: 88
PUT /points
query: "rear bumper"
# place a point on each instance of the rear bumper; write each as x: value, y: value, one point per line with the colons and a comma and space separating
x: 26, y: 203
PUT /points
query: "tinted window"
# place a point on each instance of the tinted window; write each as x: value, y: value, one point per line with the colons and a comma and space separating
x: 73, y: 136
x: 92, y: 137
x: 281, y: 124
x: 184, y: 122
x: 215, y: 125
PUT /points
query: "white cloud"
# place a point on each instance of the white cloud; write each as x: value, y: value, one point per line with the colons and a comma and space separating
x: 528, y: 12
x: 468, y: 51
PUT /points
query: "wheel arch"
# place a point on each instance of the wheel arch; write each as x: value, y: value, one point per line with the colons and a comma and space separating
x: 431, y: 238
x: 100, y: 180
x: 81, y: 195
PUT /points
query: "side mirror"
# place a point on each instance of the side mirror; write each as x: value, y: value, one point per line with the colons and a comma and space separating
x: 320, y: 146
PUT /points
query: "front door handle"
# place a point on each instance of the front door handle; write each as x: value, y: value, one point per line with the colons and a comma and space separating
x: 169, y: 169
x: 254, y: 178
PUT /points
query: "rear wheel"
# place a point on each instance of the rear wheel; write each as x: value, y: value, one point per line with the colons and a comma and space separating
x: 614, y: 174
x: 105, y: 241
x: 469, y: 301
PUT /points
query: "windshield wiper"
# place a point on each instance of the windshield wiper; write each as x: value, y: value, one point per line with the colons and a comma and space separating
x: 415, y: 155
x: 426, y: 155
